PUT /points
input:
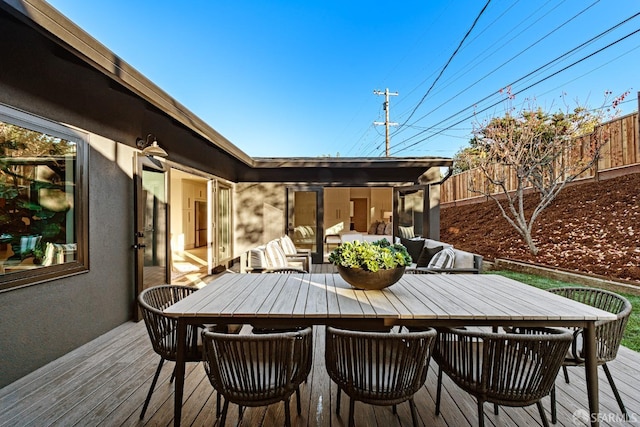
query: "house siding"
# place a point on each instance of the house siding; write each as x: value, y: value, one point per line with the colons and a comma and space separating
x: 41, y: 322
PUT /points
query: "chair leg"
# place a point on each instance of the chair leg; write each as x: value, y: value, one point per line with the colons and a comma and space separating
x: 153, y: 385
x: 287, y: 413
x: 495, y: 409
x: 439, y: 391
x: 395, y: 409
x: 554, y: 409
x: 223, y: 417
x: 173, y: 375
x: 480, y: 413
x: 414, y: 414
x: 566, y: 374
x: 218, y: 402
x: 298, y: 405
x: 338, y: 401
x: 543, y: 416
x: 352, y: 420
x: 615, y: 391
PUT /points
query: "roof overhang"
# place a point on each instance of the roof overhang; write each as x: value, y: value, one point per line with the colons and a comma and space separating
x: 348, y: 170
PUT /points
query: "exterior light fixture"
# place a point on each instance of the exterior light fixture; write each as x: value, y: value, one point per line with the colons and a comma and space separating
x: 150, y: 146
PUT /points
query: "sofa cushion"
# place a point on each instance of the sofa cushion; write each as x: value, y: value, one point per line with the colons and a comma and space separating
x: 414, y: 247
x: 443, y: 259
x: 406, y: 231
x: 463, y: 259
x: 430, y: 243
x: 380, y: 228
x: 426, y: 254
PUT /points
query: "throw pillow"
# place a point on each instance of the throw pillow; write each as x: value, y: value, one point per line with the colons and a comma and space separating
x: 427, y: 254
x: 373, y: 228
x: 406, y: 232
x: 381, y: 226
x: 443, y: 259
x: 414, y: 247
x: 388, y: 229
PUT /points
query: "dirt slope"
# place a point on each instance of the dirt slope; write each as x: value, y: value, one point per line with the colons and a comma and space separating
x: 592, y: 228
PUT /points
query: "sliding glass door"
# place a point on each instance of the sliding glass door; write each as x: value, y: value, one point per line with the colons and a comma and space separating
x: 304, y: 219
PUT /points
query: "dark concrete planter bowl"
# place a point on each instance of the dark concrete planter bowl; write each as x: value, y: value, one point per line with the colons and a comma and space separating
x: 363, y: 279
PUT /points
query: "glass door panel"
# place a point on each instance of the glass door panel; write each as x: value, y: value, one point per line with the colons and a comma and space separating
x: 224, y: 223
x: 411, y: 211
x: 151, y: 246
x: 304, y: 223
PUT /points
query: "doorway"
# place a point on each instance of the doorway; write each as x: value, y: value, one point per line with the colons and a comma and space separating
x: 360, y: 215
x: 151, y: 224
x: 304, y: 219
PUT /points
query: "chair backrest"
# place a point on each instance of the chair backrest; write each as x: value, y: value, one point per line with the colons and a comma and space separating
x: 515, y: 369
x: 275, y: 256
x: 608, y: 334
x: 378, y: 366
x: 162, y: 329
x: 257, y: 370
x: 287, y: 245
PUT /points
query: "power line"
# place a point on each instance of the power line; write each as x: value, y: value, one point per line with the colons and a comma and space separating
x: 520, y: 53
x: 515, y: 93
x: 448, y: 62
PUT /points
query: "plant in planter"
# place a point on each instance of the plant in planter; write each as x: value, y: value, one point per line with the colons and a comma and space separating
x: 367, y: 265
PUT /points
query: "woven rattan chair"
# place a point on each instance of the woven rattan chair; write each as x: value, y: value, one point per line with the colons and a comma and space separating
x: 258, y: 370
x: 163, y: 330
x: 608, y: 334
x: 510, y: 369
x: 378, y: 368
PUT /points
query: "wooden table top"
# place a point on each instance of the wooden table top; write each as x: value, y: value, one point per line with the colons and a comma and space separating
x: 435, y: 299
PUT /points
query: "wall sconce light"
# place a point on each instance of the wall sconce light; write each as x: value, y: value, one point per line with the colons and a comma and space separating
x: 150, y: 146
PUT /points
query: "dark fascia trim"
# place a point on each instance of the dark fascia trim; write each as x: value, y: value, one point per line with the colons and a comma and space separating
x: 351, y: 162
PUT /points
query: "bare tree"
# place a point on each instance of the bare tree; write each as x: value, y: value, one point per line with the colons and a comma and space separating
x: 534, y: 151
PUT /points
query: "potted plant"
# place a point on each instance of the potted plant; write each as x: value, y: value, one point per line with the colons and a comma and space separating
x: 367, y: 265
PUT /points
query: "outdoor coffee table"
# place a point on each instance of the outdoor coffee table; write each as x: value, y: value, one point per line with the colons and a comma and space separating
x: 416, y: 300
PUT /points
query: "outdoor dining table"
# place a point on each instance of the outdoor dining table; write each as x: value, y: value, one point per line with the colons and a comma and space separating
x: 416, y: 300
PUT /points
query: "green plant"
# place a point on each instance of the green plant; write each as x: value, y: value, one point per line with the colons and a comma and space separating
x: 379, y: 255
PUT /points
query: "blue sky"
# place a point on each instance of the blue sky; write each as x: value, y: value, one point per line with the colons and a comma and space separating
x: 297, y: 78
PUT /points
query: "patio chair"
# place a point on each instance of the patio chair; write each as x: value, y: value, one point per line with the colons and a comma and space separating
x: 163, y: 330
x: 258, y: 370
x: 608, y: 334
x: 510, y: 369
x: 292, y: 252
x: 378, y: 368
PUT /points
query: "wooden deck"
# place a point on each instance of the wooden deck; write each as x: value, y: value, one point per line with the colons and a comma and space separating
x: 104, y: 383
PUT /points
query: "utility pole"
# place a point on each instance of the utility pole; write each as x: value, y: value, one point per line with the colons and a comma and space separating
x: 386, y: 123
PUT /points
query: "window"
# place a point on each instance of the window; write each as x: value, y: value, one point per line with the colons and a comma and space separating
x: 41, y: 205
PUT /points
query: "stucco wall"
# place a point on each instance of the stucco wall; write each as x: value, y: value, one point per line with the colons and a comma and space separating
x: 42, y: 322
x: 259, y: 214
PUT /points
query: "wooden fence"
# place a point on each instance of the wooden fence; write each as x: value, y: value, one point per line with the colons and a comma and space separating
x: 621, y: 153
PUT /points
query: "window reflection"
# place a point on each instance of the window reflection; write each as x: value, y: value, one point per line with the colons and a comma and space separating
x: 37, y: 198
